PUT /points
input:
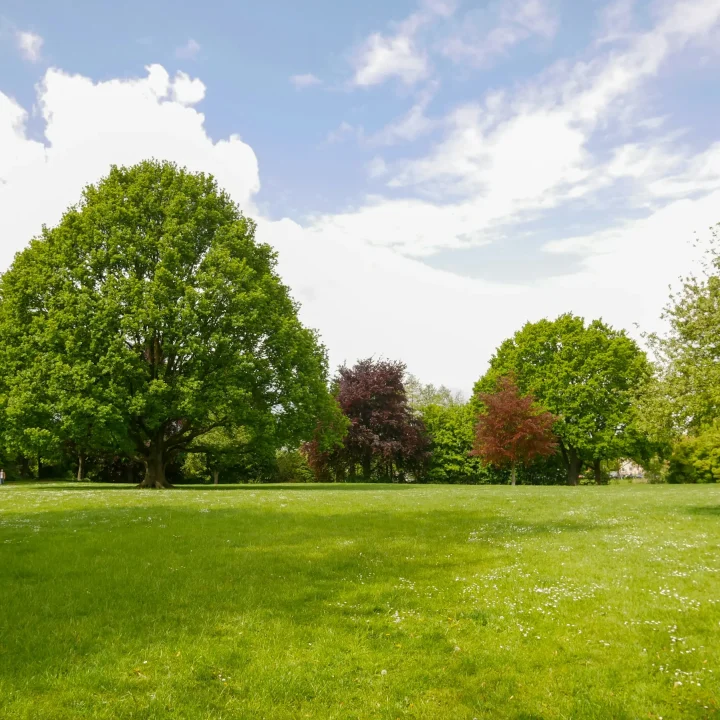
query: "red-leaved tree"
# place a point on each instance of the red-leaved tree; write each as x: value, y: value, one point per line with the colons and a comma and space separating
x: 513, y: 429
x: 384, y: 436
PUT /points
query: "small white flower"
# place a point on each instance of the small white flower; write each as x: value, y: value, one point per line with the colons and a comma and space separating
x: 383, y: 672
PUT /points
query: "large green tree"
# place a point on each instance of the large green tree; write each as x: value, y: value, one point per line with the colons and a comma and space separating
x: 149, y: 317
x: 587, y: 375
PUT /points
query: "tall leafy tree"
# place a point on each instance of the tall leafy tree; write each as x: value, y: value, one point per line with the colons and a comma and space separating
x: 585, y: 374
x: 513, y: 430
x: 150, y: 317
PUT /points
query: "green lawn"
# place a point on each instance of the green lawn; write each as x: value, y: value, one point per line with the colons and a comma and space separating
x: 359, y: 601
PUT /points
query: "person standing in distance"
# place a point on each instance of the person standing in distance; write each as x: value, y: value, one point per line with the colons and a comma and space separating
x: 2, y: 476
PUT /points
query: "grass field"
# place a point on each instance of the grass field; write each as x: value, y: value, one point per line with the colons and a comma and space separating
x: 359, y: 601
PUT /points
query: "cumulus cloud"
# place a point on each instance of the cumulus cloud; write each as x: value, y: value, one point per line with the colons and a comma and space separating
x: 304, y: 81
x: 187, y: 90
x: 30, y: 45
x: 88, y: 127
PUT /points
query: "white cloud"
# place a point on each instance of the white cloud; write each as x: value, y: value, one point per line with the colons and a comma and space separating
x: 187, y: 90
x: 478, y: 37
x: 384, y: 57
x: 30, y: 45
x: 88, y: 127
x: 640, y: 258
x: 698, y: 174
x: 616, y: 19
x: 371, y: 301
x: 304, y: 81
x: 399, y: 55
x: 446, y: 327
x: 189, y: 50
x: 414, y: 124
x: 512, y: 156
x: 485, y: 34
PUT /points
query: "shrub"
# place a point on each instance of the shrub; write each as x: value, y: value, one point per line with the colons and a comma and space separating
x: 696, y: 459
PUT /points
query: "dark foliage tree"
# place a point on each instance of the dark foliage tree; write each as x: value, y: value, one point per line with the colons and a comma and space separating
x: 384, y: 437
x: 513, y: 429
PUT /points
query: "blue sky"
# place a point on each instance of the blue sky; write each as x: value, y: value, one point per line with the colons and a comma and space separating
x: 432, y: 172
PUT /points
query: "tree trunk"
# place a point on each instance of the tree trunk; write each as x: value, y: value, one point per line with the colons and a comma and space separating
x: 216, y: 477
x: 513, y: 475
x: 25, y: 471
x: 574, y: 467
x: 39, y: 462
x: 367, y: 467
x: 155, y: 466
x: 81, y: 468
x: 599, y: 477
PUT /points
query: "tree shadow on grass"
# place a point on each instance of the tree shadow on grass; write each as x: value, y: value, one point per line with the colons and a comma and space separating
x: 712, y: 510
x: 114, y: 580
x: 270, y: 487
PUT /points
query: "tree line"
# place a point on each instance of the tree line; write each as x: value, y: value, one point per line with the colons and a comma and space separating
x: 148, y: 338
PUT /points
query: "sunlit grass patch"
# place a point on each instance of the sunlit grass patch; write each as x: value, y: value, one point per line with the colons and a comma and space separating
x: 359, y: 602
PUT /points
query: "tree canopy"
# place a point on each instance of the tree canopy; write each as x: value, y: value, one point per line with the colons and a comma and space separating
x: 585, y: 374
x: 149, y: 317
x: 450, y: 430
x: 512, y: 430
x: 384, y: 437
